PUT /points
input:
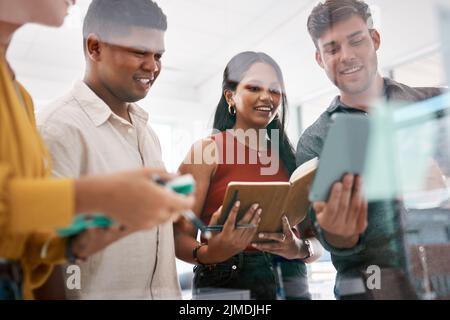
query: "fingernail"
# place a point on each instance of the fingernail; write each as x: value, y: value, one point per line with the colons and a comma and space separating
x: 259, y: 211
x: 254, y: 245
x: 237, y: 204
x: 255, y: 206
x: 261, y: 235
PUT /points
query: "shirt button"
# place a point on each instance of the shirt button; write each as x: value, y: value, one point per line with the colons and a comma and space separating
x: 234, y: 267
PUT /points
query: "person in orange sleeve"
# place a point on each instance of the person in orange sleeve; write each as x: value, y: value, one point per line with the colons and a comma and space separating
x: 32, y: 204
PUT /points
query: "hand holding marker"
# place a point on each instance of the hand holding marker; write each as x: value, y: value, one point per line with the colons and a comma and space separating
x: 184, y: 185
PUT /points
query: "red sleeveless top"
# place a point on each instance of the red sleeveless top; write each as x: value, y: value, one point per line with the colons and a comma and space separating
x: 233, y: 166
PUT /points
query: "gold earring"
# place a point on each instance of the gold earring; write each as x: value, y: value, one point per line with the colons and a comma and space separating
x: 231, y: 110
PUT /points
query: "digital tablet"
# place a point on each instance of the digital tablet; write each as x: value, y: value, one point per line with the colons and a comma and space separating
x: 344, y: 151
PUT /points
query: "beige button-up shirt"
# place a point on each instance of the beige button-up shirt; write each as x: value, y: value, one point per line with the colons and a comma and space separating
x: 85, y: 137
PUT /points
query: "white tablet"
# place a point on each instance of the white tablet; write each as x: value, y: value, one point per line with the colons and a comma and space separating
x: 344, y: 151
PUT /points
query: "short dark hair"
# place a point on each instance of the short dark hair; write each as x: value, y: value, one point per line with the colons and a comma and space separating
x: 330, y: 12
x: 114, y: 17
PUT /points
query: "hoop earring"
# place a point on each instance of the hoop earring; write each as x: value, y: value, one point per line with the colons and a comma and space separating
x: 231, y: 110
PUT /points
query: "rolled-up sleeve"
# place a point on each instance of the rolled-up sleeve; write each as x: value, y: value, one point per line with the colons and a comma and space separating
x: 42, y: 251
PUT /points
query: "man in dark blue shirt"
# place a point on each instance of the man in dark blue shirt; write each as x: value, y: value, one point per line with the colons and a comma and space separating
x: 357, y: 234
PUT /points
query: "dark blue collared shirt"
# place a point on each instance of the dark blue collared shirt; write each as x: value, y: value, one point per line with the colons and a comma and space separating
x: 381, y: 243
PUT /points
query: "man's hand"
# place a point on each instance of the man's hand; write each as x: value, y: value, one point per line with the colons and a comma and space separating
x: 344, y: 216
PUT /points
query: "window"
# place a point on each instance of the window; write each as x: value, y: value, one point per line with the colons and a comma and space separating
x: 420, y: 72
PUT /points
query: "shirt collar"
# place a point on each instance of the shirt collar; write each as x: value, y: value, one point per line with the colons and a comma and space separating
x: 97, y: 110
x: 336, y: 104
x: 389, y: 84
x: 138, y: 113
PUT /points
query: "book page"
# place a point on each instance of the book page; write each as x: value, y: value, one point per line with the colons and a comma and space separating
x: 297, y: 203
x: 304, y: 169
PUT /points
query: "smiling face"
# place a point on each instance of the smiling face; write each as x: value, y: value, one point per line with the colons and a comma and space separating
x: 347, y: 53
x: 128, y: 66
x: 257, y: 97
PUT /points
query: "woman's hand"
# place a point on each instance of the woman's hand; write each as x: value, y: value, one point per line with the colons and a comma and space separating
x: 287, y: 244
x: 231, y: 240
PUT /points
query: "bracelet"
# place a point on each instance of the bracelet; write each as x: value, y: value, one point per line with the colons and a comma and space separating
x: 310, y: 248
x: 195, y: 252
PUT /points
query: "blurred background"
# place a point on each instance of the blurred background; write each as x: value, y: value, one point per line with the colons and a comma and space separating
x: 201, y: 38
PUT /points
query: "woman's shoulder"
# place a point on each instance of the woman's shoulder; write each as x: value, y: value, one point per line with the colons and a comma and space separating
x: 216, y: 136
x: 203, y: 153
x: 210, y: 141
x: 204, y: 142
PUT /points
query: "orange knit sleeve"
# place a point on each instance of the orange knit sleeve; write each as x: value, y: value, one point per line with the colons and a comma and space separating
x: 42, y: 252
x: 39, y: 204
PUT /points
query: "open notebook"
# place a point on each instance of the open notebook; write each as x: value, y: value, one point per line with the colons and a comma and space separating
x: 275, y: 198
